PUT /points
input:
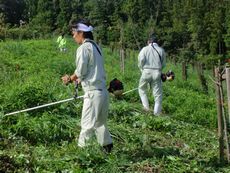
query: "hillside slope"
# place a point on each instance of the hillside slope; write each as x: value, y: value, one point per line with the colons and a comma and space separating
x: 183, y: 139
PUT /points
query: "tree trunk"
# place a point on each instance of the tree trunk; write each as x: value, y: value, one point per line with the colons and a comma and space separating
x: 202, y: 78
x: 193, y: 66
x: 174, y: 61
x: 184, y: 71
x: 127, y: 53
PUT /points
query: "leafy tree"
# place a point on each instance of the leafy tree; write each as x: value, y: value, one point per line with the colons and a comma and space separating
x: 197, y: 25
x: 64, y: 15
x: 194, y: 30
x: 218, y: 28
x: 77, y: 9
x: 13, y: 11
x: 3, y: 27
x: 31, y: 9
x: 227, y: 24
x: 44, y: 20
x: 180, y: 35
x: 100, y: 12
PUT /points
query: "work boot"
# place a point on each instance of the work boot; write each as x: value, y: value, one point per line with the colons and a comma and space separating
x: 108, y: 148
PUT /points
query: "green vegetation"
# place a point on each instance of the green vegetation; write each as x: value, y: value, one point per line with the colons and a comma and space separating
x: 195, y: 34
x: 192, y: 32
x: 184, y: 139
x: 196, y: 27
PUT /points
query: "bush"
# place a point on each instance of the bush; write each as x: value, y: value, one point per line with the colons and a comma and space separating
x: 47, y: 128
x: 29, y: 96
x: 23, y: 33
x: 19, y: 33
x: 2, y: 34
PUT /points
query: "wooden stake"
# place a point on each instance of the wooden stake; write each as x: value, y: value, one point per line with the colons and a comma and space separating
x: 219, y: 116
x: 228, y: 117
x: 122, y: 49
x: 228, y: 91
x: 122, y: 60
x: 225, y: 124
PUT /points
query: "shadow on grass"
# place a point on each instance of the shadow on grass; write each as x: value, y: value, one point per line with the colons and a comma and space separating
x: 7, y: 164
x: 151, y: 152
x: 144, y: 153
x: 214, y: 163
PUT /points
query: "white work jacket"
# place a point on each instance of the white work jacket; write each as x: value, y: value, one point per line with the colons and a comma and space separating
x: 90, y: 67
x: 148, y: 57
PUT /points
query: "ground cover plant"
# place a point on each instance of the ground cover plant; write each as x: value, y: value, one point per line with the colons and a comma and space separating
x: 183, y: 139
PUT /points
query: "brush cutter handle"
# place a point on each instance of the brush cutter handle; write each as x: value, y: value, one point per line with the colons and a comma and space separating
x: 76, y: 89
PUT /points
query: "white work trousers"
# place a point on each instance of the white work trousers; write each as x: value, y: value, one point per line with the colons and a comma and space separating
x: 153, y: 78
x: 94, y: 118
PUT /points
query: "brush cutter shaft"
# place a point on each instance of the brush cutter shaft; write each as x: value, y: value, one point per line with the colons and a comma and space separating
x: 42, y: 106
x: 130, y: 91
x: 57, y: 102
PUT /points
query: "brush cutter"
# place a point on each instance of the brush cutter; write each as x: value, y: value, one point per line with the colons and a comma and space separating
x: 45, y: 105
x: 58, y: 102
x: 50, y: 104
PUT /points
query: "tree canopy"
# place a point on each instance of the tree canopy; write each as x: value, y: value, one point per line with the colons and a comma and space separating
x: 184, y: 27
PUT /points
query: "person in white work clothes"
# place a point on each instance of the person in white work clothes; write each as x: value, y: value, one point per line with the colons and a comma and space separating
x: 90, y: 73
x: 151, y: 61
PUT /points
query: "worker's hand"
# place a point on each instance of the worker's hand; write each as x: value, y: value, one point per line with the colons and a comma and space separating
x: 78, y: 80
x: 73, y: 77
x: 66, y: 79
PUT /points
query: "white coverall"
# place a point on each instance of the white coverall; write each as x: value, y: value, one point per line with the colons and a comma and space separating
x: 151, y: 66
x: 90, y: 70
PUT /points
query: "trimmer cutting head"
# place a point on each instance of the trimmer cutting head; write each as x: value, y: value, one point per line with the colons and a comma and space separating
x: 116, y: 87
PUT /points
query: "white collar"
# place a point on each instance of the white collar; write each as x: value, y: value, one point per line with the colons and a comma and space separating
x: 154, y: 44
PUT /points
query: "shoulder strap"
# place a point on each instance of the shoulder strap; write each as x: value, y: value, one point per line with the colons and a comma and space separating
x: 94, y: 45
x: 157, y: 53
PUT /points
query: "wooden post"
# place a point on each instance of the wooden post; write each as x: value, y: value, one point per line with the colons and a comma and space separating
x: 122, y: 48
x: 227, y: 74
x: 225, y: 123
x: 219, y: 116
x: 228, y: 91
x: 122, y: 59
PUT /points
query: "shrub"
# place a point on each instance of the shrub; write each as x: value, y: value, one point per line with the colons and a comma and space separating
x: 27, y: 97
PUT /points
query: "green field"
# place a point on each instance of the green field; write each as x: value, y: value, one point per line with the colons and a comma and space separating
x: 183, y: 139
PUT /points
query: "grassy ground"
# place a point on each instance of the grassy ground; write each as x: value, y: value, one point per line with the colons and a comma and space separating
x: 183, y: 139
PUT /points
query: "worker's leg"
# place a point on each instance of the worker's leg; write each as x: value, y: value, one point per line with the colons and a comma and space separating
x: 143, y: 88
x: 101, y: 114
x: 87, y: 120
x: 157, y: 92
